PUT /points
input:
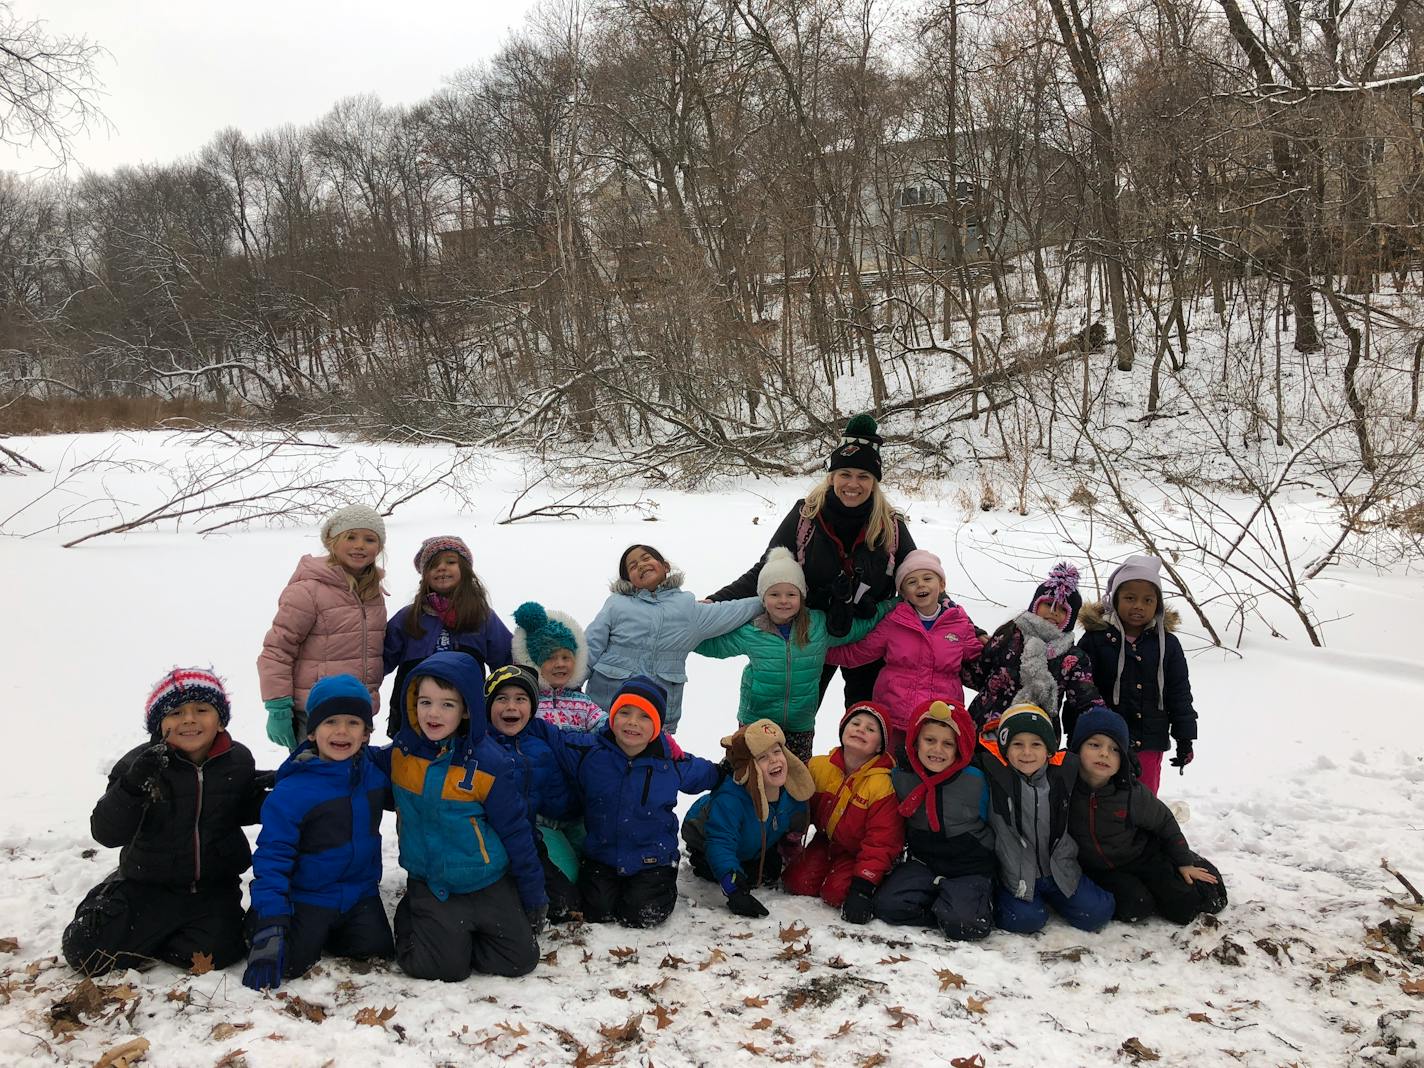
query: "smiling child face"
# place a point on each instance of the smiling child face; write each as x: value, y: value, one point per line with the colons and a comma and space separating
x: 191, y: 729
x: 510, y: 710
x: 1099, y: 760
x: 339, y: 737
x: 645, y: 571
x: 438, y: 709
x: 1026, y: 753
x: 937, y: 746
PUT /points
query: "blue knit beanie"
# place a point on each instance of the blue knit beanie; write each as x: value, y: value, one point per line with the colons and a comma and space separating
x: 1101, y: 720
x: 338, y: 695
x: 644, y: 694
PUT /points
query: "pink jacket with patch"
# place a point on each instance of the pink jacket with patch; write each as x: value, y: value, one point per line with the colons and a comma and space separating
x: 321, y: 629
x: 919, y: 664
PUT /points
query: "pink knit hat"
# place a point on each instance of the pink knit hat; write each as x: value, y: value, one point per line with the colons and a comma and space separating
x: 919, y: 560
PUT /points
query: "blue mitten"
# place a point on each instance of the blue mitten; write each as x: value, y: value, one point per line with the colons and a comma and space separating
x: 266, y: 958
x: 279, y: 722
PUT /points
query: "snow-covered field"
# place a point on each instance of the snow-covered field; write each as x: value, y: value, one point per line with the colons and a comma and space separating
x: 1308, y: 772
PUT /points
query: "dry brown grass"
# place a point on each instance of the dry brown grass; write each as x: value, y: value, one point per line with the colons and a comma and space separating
x: 78, y: 415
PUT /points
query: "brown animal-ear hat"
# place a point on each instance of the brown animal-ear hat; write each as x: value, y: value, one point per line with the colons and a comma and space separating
x: 750, y: 742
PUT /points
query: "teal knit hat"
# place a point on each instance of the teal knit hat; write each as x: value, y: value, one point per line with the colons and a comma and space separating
x: 543, y: 636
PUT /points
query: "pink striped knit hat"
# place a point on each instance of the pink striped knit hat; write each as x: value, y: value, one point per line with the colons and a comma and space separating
x: 178, y: 687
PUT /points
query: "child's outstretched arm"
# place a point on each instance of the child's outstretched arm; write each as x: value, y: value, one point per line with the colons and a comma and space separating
x: 272, y: 865
x: 859, y: 628
x: 995, y: 655
x: 866, y: 651
x: 696, y: 775
x: 724, y: 816
x: 733, y: 643
x: 715, y: 618
x: 1177, y: 700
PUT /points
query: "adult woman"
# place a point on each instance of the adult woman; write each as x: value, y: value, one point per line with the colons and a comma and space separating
x: 848, y: 541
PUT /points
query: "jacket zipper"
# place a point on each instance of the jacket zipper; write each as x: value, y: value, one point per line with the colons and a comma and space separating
x: 197, y: 832
x: 479, y: 837
x: 364, y: 643
x: 647, y: 784
x: 786, y: 694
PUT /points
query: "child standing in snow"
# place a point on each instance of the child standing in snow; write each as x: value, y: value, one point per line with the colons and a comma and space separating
x: 451, y: 613
x: 475, y: 898
x: 1030, y: 785
x: 316, y: 875
x: 925, y: 641
x: 510, y: 693
x: 1127, y: 838
x: 331, y: 620
x: 947, y: 881
x: 555, y: 644
x: 628, y: 775
x: 1032, y: 658
x: 176, y: 805
x: 787, y: 646
x: 859, y: 831
x: 649, y: 625
x: 733, y: 832
x: 1139, y: 667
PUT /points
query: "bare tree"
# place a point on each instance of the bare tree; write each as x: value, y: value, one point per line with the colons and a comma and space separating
x: 48, y: 85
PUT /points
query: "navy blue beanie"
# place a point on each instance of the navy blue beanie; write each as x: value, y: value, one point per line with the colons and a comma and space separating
x: 338, y: 695
x: 645, y: 694
x: 1101, y: 720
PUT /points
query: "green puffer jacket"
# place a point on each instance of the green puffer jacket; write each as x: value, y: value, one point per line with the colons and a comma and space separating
x: 783, y: 681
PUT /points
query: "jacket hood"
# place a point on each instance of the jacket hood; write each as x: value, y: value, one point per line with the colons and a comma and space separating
x: 461, y: 671
x: 318, y: 570
x: 305, y: 760
x: 627, y: 589
x: 1099, y: 616
x: 935, y: 712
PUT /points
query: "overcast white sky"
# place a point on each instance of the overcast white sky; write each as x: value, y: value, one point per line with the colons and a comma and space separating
x: 180, y: 70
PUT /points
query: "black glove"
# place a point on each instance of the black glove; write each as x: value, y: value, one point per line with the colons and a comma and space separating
x: 264, y: 780
x: 537, y: 917
x: 142, y: 776
x: 743, y: 903
x: 1184, y: 755
x: 857, y: 903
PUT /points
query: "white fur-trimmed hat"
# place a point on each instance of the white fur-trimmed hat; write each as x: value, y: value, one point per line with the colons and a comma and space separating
x: 780, y: 566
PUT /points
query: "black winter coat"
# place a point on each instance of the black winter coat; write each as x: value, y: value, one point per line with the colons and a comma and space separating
x: 193, y: 834
x: 1150, y: 727
x: 996, y: 675
x: 831, y: 587
x: 963, y: 845
x: 1120, y: 823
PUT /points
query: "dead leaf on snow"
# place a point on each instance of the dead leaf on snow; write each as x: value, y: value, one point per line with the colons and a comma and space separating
x: 662, y: 1015
x: 624, y: 954
x: 233, y: 1058
x: 975, y: 1060
x: 752, y: 1002
x: 900, y: 1016
x: 803, y: 965
x: 628, y: 1031
x: 183, y: 997
x: 1071, y: 953
x: 1412, y: 986
x: 584, y: 1058
x: 762, y: 1024
x: 513, y: 1030
x: 949, y: 979
x: 370, y: 1017
x: 619, y: 993
x: 898, y: 958
x: 844, y: 1029
x: 1199, y: 1017
x: 715, y: 957
x: 977, y: 1005
x: 223, y: 1031
x: 838, y: 962
x: 795, y: 932
x: 301, y: 1008
x: 743, y: 936
x: 1359, y: 966
x: 551, y: 957
x: 9, y: 945
x: 1134, y: 1048
x: 123, y: 1056
x: 873, y: 1060
x: 793, y: 951
x: 202, y: 963
x: 671, y: 961
x: 753, y: 1049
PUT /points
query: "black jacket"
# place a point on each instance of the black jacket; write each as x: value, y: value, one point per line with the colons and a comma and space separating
x: 831, y: 588
x: 192, y: 835
x: 1137, y: 701
x: 1121, y: 822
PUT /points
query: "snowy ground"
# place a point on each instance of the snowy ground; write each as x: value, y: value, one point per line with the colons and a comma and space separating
x: 1308, y: 772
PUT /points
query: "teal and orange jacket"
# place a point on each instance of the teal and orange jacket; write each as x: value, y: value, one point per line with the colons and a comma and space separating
x: 460, y: 817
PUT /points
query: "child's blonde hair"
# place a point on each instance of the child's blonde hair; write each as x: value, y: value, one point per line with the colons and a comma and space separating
x: 882, y: 516
x: 366, y: 585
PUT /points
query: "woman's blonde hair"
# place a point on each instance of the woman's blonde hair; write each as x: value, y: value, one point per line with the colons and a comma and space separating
x: 367, y: 585
x: 882, y: 516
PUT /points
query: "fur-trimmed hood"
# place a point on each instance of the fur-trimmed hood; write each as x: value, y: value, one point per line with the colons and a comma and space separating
x: 1094, y: 616
x: 673, y: 581
x: 519, y: 646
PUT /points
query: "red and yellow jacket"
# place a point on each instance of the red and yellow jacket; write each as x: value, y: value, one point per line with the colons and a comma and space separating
x: 858, y: 813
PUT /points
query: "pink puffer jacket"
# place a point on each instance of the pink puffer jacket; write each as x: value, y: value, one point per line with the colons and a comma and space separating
x: 320, y: 629
x: 919, y: 664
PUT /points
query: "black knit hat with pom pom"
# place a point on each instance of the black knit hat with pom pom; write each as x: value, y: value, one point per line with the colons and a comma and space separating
x: 859, y: 447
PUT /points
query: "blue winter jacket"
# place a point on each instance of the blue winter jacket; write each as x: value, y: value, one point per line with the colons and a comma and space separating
x: 320, y: 842
x: 490, y: 646
x: 638, y: 632
x: 725, y: 826
x: 537, y: 774
x: 461, y: 820
x: 628, y: 802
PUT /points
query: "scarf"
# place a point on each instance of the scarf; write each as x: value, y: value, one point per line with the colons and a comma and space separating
x: 439, y: 606
x: 1042, y: 642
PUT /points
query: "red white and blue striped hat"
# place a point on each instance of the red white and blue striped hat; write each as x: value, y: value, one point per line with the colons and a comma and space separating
x: 178, y: 687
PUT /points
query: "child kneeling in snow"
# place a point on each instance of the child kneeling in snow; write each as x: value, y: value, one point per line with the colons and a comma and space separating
x: 316, y: 884
x: 732, y: 834
x: 860, y: 832
x: 176, y: 805
x: 555, y: 644
x: 628, y: 776
x: 1030, y: 784
x: 509, y: 703
x: 1127, y: 838
x: 948, y: 879
x: 475, y: 898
